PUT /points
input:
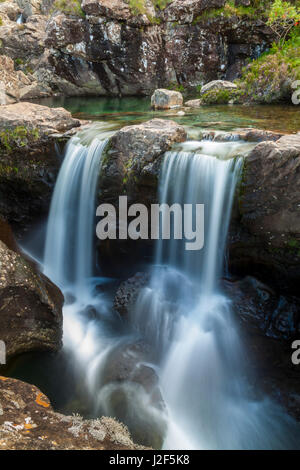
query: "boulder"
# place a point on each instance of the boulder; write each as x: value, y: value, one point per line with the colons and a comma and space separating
x: 266, y: 241
x: 218, y: 85
x: 128, y: 292
x: 193, y: 103
x: 31, y: 306
x: 29, y: 164
x: 128, y: 382
x: 28, y: 422
x: 166, y: 99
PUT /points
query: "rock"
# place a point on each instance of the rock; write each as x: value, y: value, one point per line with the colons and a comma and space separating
x: 31, y: 306
x: 128, y: 382
x: 218, y: 85
x: 193, y: 103
x: 166, y: 99
x: 29, y: 163
x: 187, y: 11
x: 249, y: 135
x: 261, y: 310
x: 28, y: 422
x: 9, y: 11
x: 128, y: 291
x: 268, y: 323
x: 120, y: 10
x: 267, y: 241
x: 130, y: 167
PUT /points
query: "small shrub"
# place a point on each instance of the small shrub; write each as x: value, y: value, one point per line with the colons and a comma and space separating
x: 283, y: 17
x: 69, y: 7
x: 17, y: 137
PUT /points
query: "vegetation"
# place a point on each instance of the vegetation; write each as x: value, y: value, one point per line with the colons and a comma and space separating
x: 17, y: 137
x: 269, y: 78
x: 257, y: 10
x: 69, y: 7
x: 220, y: 96
x: 138, y: 7
x: 1, y: 21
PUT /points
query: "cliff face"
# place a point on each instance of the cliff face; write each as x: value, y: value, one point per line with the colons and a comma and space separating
x: 110, y: 48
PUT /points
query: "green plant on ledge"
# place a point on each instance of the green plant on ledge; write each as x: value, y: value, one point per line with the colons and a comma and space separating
x: 17, y: 137
x: 69, y: 7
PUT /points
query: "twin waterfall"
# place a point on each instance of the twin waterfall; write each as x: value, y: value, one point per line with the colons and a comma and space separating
x: 182, y: 315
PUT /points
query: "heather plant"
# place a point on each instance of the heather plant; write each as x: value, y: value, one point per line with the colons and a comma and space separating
x: 283, y: 17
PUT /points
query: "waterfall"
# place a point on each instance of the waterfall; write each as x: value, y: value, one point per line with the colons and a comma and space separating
x: 187, y: 320
x: 69, y: 250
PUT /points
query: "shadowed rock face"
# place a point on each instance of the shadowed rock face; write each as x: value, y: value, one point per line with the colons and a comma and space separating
x: 28, y: 422
x: 266, y: 241
x: 30, y: 306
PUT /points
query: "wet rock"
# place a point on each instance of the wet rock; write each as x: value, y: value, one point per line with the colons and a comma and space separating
x: 249, y: 135
x: 166, y: 99
x: 133, y: 157
x: 128, y: 291
x: 130, y: 391
x: 193, y: 103
x: 31, y: 306
x: 266, y: 242
x: 261, y: 309
x: 28, y: 422
x: 29, y: 164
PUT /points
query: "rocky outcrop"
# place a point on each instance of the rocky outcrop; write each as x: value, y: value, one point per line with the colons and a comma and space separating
x: 166, y: 99
x: 218, y: 85
x: 113, y: 48
x: 130, y: 168
x: 132, y: 161
x: 31, y: 306
x: 266, y: 242
x: 28, y: 422
x: 127, y: 374
x: 29, y: 164
x: 15, y: 85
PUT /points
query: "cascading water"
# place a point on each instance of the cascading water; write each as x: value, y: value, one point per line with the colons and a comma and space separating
x: 69, y: 253
x: 186, y: 318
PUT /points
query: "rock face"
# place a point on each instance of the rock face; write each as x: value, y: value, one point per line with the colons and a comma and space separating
x: 28, y: 422
x: 166, y: 99
x: 112, y: 48
x: 29, y: 162
x: 130, y: 168
x: 30, y: 306
x: 267, y: 241
x: 133, y: 158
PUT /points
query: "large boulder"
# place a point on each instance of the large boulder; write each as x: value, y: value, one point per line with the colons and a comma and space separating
x: 28, y: 422
x: 31, y: 306
x: 266, y: 241
x: 218, y: 85
x: 29, y: 162
x: 166, y: 99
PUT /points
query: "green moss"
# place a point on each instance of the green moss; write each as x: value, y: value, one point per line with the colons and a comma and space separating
x: 1, y: 21
x: 256, y: 11
x: 17, y: 137
x: 69, y: 7
x: 176, y: 87
x: 220, y: 96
